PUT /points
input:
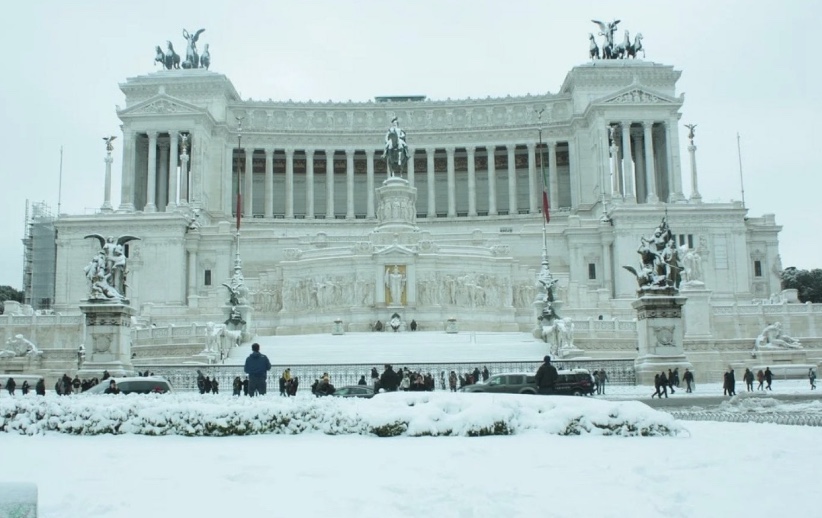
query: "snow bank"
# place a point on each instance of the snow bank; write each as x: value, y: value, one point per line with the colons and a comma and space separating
x: 386, y: 415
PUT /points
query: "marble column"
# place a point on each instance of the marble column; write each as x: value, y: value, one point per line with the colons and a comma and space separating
x: 492, y: 180
x: 192, y: 272
x: 289, y: 184
x: 369, y: 183
x: 173, y: 170
x: 639, y: 159
x: 452, y: 183
x: 248, y: 184
x: 553, y: 177
x: 512, y: 179
x: 151, y: 183
x: 309, y: 184
x: 616, y: 193
x: 410, y: 166
x: 329, y: 184
x: 472, y: 182
x: 695, y: 196
x: 107, y: 185
x: 673, y: 147
x: 229, y: 180
x: 162, y: 199
x: 650, y: 170
x: 432, y: 201
x: 605, y: 163
x: 533, y: 192
x: 349, y: 184
x: 573, y: 164
x: 269, y: 183
x: 627, y: 163
x: 127, y: 177
x: 184, y: 176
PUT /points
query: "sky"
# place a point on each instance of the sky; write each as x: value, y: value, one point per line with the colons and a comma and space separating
x: 747, y: 69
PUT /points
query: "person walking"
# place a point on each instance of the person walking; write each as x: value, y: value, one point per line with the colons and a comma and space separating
x: 257, y: 367
x: 546, y: 377
x: 749, y: 378
x: 671, y: 381
x: 663, y: 383
x: 812, y: 378
x: 768, y: 377
x: 689, y: 379
x: 602, y: 377
x: 731, y: 383
x: 760, y: 377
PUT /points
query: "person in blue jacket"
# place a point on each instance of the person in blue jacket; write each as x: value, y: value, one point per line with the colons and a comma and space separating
x: 257, y: 367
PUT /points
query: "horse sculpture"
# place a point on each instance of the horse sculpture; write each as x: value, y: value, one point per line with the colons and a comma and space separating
x: 621, y: 49
x: 396, y: 149
x: 593, y: 48
x: 159, y: 57
x: 172, y: 59
x: 635, y: 47
x: 205, y: 58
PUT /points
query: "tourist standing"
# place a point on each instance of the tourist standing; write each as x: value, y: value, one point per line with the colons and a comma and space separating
x: 748, y: 377
x: 546, y: 377
x: 812, y: 377
x: 768, y: 377
x: 10, y: 386
x: 40, y: 387
x: 602, y: 377
x: 257, y: 367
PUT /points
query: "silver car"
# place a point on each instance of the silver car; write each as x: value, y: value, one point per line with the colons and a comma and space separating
x: 137, y: 385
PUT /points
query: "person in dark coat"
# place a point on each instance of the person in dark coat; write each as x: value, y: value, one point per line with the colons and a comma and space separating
x: 732, y: 382
x: 257, y: 367
x: 25, y: 387
x: 768, y: 377
x: 726, y: 384
x: 282, y: 386
x: 546, y: 377
x: 215, y: 386
x: 245, y: 387
x: 389, y: 380
x: 663, y: 382
x: 689, y: 378
x: 485, y: 374
x: 362, y: 380
x: 237, y: 386
x: 671, y: 381
x: 760, y: 377
x: 748, y: 377
x: 657, y: 391
x: 413, y: 325
x: 207, y: 385
x: 476, y: 375
x: 40, y: 387
x: 10, y: 386
x: 112, y: 388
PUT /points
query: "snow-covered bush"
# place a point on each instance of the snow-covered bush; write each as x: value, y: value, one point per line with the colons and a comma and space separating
x: 386, y: 415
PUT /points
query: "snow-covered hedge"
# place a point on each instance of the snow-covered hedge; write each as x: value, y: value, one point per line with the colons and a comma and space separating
x: 386, y: 415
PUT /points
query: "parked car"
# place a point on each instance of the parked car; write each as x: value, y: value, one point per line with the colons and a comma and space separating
x: 510, y: 383
x: 355, y: 391
x: 138, y: 385
x: 569, y: 382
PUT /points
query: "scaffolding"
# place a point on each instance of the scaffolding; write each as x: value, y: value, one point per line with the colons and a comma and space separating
x: 39, y: 255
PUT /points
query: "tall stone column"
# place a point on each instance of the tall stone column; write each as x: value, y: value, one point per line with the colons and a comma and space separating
x: 127, y: 178
x: 349, y: 184
x: 472, y: 182
x: 432, y: 201
x: 639, y: 156
x: 151, y: 183
x: 627, y: 163
x: 269, y: 183
x: 173, y: 170
x: 229, y: 196
x: 553, y: 177
x: 512, y: 179
x: 107, y: 184
x: 492, y: 180
x: 309, y: 184
x: 184, y: 170
x: 605, y: 167
x: 650, y: 170
x: 676, y: 163
x: 329, y: 184
x: 452, y: 183
x: 162, y: 181
x: 289, y: 184
x: 410, y: 166
x: 192, y: 244
x: 695, y: 196
x: 573, y: 168
x: 369, y: 183
x: 533, y: 191
x: 614, y: 149
x: 248, y: 184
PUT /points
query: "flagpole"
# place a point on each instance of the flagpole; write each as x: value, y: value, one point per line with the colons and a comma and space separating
x: 238, y: 209
x: 542, y: 175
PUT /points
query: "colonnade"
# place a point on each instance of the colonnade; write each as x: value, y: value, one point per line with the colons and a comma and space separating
x: 156, y: 171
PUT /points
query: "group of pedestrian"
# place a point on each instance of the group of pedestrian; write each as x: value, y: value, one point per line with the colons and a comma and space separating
x: 25, y: 387
x: 664, y: 382
x: 598, y: 379
x: 288, y: 384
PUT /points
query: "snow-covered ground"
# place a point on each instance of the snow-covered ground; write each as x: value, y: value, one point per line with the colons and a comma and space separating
x: 716, y: 470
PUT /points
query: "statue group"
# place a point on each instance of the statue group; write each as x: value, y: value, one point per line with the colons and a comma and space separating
x: 171, y: 60
x: 106, y: 273
x: 610, y: 50
x: 661, y: 261
x: 772, y: 337
x: 395, y: 151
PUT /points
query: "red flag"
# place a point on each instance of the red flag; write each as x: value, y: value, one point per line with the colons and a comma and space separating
x: 239, y: 208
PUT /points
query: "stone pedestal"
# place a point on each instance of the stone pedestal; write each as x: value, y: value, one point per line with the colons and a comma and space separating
x: 697, y: 311
x: 107, y: 339
x: 451, y: 326
x: 660, y: 333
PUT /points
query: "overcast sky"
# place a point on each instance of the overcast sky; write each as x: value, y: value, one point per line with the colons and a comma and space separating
x: 747, y: 67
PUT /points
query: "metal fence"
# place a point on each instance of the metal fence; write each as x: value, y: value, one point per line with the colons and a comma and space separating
x: 733, y: 417
x: 184, y: 377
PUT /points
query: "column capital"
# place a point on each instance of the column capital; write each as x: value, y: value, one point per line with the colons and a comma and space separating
x: 289, y: 152
x: 349, y: 152
x: 329, y: 152
x: 152, y: 134
x: 648, y: 124
x: 450, y: 150
x: 269, y: 152
x: 309, y: 152
x: 470, y: 150
x: 511, y: 147
x: 532, y: 146
x: 552, y: 144
x: 430, y: 150
x: 369, y: 153
x: 490, y: 148
x: 625, y: 124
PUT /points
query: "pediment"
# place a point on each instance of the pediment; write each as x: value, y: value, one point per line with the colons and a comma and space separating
x: 395, y: 249
x: 637, y: 96
x: 162, y: 104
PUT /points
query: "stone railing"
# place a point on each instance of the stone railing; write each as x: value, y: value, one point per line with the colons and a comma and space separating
x: 620, y: 372
x: 732, y: 321
x: 195, y: 333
